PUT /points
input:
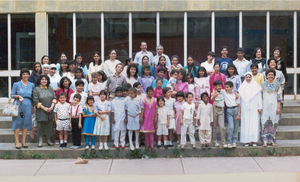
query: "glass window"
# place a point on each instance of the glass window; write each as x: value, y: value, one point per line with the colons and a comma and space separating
x: 3, y: 40
x: 116, y: 35
x: 14, y: 80
x: 227, y: 33
x: 289, y: 87
x: 298, y: 39
x: 281, y: 34
x: 143, y: 29
x: 3, y: 86
x: 171, y: 34
x: 60, y: 30
x: 22, y: 41
x: 88, y: 35
x: 254, y: 32
x: 199, y: 36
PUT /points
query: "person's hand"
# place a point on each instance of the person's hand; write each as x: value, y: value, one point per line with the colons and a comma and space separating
x: 211, y: 124
x: 181, y: 123
x: 236, y: 95
x: 168, y: 124
x: 21, y: 98
x: 125, y: 121
x: 113, y: 121
x: 238, y: 117
x: 102, y: 118
x: 199, y: 123
x: 79, y: 125
x: 70, y: 125
x: 259, y: 111
x: 277, y: 110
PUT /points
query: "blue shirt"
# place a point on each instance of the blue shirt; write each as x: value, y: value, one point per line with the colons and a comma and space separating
x: 193, y: 71
x: 165, y: 82
x: 236, y: 80
x: 151, y: 69
x: 146, y: 82
x: 224, y: 63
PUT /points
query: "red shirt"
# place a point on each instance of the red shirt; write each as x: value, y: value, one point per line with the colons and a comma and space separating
x: 66, y: 92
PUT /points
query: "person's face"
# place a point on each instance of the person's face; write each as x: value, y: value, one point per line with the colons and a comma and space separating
x: 100, y: 78
x: 240, y: 54
x: 66, y: 83
x: 258, y: 53
x: 75, y: 101
x: 210, y: 58
x: 174, y: 61
x: 96, y: 58
x: 169, y: 93
x: 37, y: 67
x: 159, y: 84
x: 205, y: 98
x: 159, y: 50
x: 63, y: 56
x: 143, y: 46
x: 119, y: 94
x: 224, y: 52
x: 78, y: 74
x: 163, y: 61
x: 161, y: 103
x: 189, y: 79
x: 230, y: 70
x: 175, y: 75
x: 62, y: 99
x: 46, y: 70
x: 190, y: 60
x: 218, y: 87
x: 180, y: 99
x: 217, y: 67
x: 276, y: 53
x: 201, y: 73
x: 52, y: 71
x: 95, y: 78
x: 25, y: 76
x: 270, y: 76
x: 139, y: 89
x: 150, y: 93
x: 79, y: 59
x: 113, y: 55
x: 248, y: 78
x: 179, y: 76
x: 72, y: 67
x: 132, y: 71
x: 254, y: 70
x: 79, y: 88
x: 272, y: 64
x: 45, y: 60
x: 147, y: 71
x: 125, y: 93
x: 160, y: 74
x: 102, y: 97
x: 228, y: 88
x: 90, y: 102
x: 44, y: 81
x: 132, y: 94
x: 145, y: 60
x: 63, y: 65
x: 119, y: 68
x: 190, y: 98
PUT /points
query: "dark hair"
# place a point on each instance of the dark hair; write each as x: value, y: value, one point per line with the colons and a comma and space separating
x: 79, y: 82
x: 147, y: 66
x: 61, y: 94
x: 103, y: 92
x: 160, y: 98
x: 201, y: 68
x: 72, y: 62
x: 188, y: 93
x: 217, y: 63
x: 254, y: 65
x: 202, y: 95
x: 160, y: 59
x: 24, y: 70
x: 33, y: 70
x: 149, y: 89
x: 79, y: 55
x: 240, y: 49
x: 229, y: 83
x: 127, y: 60
x: 38, y: 82
x: 212, y: 54
x: 269, y: 71
x: 255, y: 50
x: 119, y: 89
x: 104, y: 77
x: 224, y: 47
x: 89, y: 98
x: 133, y: 90
x: 271, y: 59
x: 183, y: 73
x: 165, y: 90
x: 136, y: 84
x: 231, y: 66
x: 191, y: 75
x: 133, y: 65
x: 77, y: 96
x: 63, y: 61
x: 128, y: 85
x: 143, y: 42
x: 100, y: 61
x: 173, y: 72
x: 125, y: 89
x: 161, y: 69
x: 61, y: 84
x: 218, y: 82
x: 175, y: 56
x: 277, y: 48
x: 180, y: 94
x: 159, y: 79
x: 44, y: 57
x: 191, y: 67
x: 76, y: 70
x: 61, y: 55
x: 143, y: 59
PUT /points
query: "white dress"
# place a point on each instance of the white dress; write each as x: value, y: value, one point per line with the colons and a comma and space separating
x: 169, y: 103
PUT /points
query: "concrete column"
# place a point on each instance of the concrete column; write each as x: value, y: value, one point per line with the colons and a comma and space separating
x: 41, y: 35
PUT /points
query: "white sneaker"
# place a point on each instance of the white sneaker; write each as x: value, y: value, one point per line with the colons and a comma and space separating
x: 72, y: 147
x: 247, y: 145
x: 105, y: 146
x: 229, y: 146
x: 76, y: 147
x: 137, y: 145
x: 194, y: 146
x: 217, y: 144
x: 131, y: 147
x: 182, y: 146
x: 93, y: 146
x: 225, y: 146
x: 101, y: 146
x: 234, y: 145
x: 87, y: 147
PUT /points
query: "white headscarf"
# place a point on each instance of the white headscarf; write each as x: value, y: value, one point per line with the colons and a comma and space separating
x: 248, y: 90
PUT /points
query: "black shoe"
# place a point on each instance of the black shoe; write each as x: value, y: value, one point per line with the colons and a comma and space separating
x: 49, y: 144
x: 171, y: 145
x: 166, y: 146
x: 25, y: 146
x: 158, y: 146
x: 65, y: 145
x: 61, y: 145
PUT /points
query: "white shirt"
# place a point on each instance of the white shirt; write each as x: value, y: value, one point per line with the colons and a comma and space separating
x: 140, y: 55
x: 230, y: 99
x: 241, y: 66
x: 83, y: 98
x: 208, y: 66
x: 156, y: 59
x: 54, y: 80
x: 219, y: 100
x: 205, y: 116
x: 188, y: 111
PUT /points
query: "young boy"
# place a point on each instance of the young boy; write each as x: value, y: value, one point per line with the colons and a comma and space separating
x: 160, y: 74
x: 224, y: 60
x: 205, y: 120
x: 115, y: 81
x: 233, y: 108
x: 125, y: 90
x: 118, y: 117
x: 241, y: 63
x: 61, y: 118
x: 172, y: 81
x: 208, y: 64
x: 79, y: 90
x: 75, y: 121
x: 188, y: 120
x: 259, y: 78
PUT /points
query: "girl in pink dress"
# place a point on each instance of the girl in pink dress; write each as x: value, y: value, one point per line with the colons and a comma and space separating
x: 182, y: 84
x: 148, y: 122
x: 158, y: 91
x: 193, y: 88
x: 95, y: 87
x: 217, y: 75
x: 177, y: 105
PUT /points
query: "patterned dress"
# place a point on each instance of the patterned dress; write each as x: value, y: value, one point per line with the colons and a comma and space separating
x: 102, y: 127
x: 177, y: 106
x: 63, y: 121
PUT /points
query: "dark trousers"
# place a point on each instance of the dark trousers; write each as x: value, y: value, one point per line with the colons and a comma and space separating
x: 76, y: 132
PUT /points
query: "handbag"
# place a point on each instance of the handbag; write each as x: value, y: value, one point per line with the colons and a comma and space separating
x: 11, y: 109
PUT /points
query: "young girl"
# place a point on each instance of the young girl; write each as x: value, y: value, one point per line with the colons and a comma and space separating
x: 140, y: 96
x: 162, y: 64
x: 128, y: 62
x: 232, y: 75
x: 193, y: 88
x: 89, y: 122
x: 71, y: 73
x: 202, y: 80
x: 148, y: 122
x: 191, y: 68
x: 78, y: 76
x: 65, y: 84
x: 174, y: 64
x: 169, y: 103
x: 146, y: 79
x: 217, y: 75
x: 259, y: 78
x: 177, y: 106
x: 102, y: 125
x: 158, y: 91
x: 61, y: 118
x: 63, y: 68
x: 95, y: 65
x: 182, y: 84
x: 36, y: 72
x: 162, y: 118
x: 95, y: 87
x: 45, y: 69
x: 102, y: 79
x: 80, y: 64
x: 145, y: 61
x: 132, y: 74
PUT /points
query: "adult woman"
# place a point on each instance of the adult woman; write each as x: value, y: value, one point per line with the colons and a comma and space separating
x: 280, y: 61
x: 80, y: 64
x: 36, y: 72
x: 232, y: 75
x: 95, y: 65
x: 271, y: 107
x: 279, y: 77
x: 182, y: 84
x: 22, y: 92
x: 145, y: 60
x: 259, y: 60
x: 62, y: 56
x: 45, y: 69
x: 132, y: 74
x: 63, y: 68
x: 44, y: 100
x: 109, y: 66
x: 54, y: 78
x: 45, y: 60
x: 251, y: 105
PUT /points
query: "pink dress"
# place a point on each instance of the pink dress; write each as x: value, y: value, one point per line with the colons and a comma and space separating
x: 177, y: 106
x: 149, y: 115
x: 203, y: 84
x: 158, y: 92
x: 213, y: 78
x: 182, y: 86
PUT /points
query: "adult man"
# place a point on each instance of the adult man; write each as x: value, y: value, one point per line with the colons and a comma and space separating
x: 160, y: 50
x: 241, y: 63
x: 142, y: 53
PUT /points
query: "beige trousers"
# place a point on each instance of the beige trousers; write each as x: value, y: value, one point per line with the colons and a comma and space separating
x: 218, y: 121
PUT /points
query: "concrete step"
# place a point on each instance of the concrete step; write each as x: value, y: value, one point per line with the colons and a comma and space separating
x: 285, y: 147
x: 291, y: 106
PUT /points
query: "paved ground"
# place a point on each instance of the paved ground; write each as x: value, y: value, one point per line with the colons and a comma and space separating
x: 177, y: 169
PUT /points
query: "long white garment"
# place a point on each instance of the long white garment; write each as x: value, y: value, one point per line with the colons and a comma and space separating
x: 109, y: 67
x: 93, y: 69
x: 205, y: 115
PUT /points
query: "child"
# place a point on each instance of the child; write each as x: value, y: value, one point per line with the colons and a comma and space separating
x: 191, y: 68
x: 102, y: 125
x: 177, y: 105
x: 89, y: 122
x: 118, y: 117
x: 61, y: 118
x: 218, y: 105
x: 115, y: 81
x: 188, y: 120
x: 205, y: 121
x: 102, y: 78
x: 224, y: 60
x: 162, y: 64
x: 173, y: 78
x: 193, y: 88
x: 233, y: 108
x: 202, y: 80
x: 158, y: 90
x: 128, y: 61
x: 75, y: 121
x: 146, y: 79
x: 241, y: 63
x: 174, y: 63
x: 140, y: 96
x: 160, y: 74
x: 148, y: 123
x: 259, y: 78
x: 65, y: 84
x: 132, y: 74
x: 71, y: 73
x: 133, y: 117
x: 79, y: 76
x: 95, y: 87
x: 208, y: 64
x: 216, y: 76
x: 169, y: 103
x: 163, y: 121
x: 63, y: 71
x: 233, y: 76
x: 145, y: 61
x: 125, y: 90
x: 79, y: 90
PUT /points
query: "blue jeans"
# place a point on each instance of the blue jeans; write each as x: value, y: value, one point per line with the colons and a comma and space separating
x: 233, y: 125
x: 87, y: 140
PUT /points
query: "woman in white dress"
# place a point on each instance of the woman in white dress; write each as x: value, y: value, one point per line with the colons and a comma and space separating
x: 95, y: 65
x: 251, y: 106
x: 109, y: 66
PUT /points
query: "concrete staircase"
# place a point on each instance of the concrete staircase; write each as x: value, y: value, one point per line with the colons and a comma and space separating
x: 288, y: 139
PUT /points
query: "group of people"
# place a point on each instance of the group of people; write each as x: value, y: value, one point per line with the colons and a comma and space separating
x: 151, y: 95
